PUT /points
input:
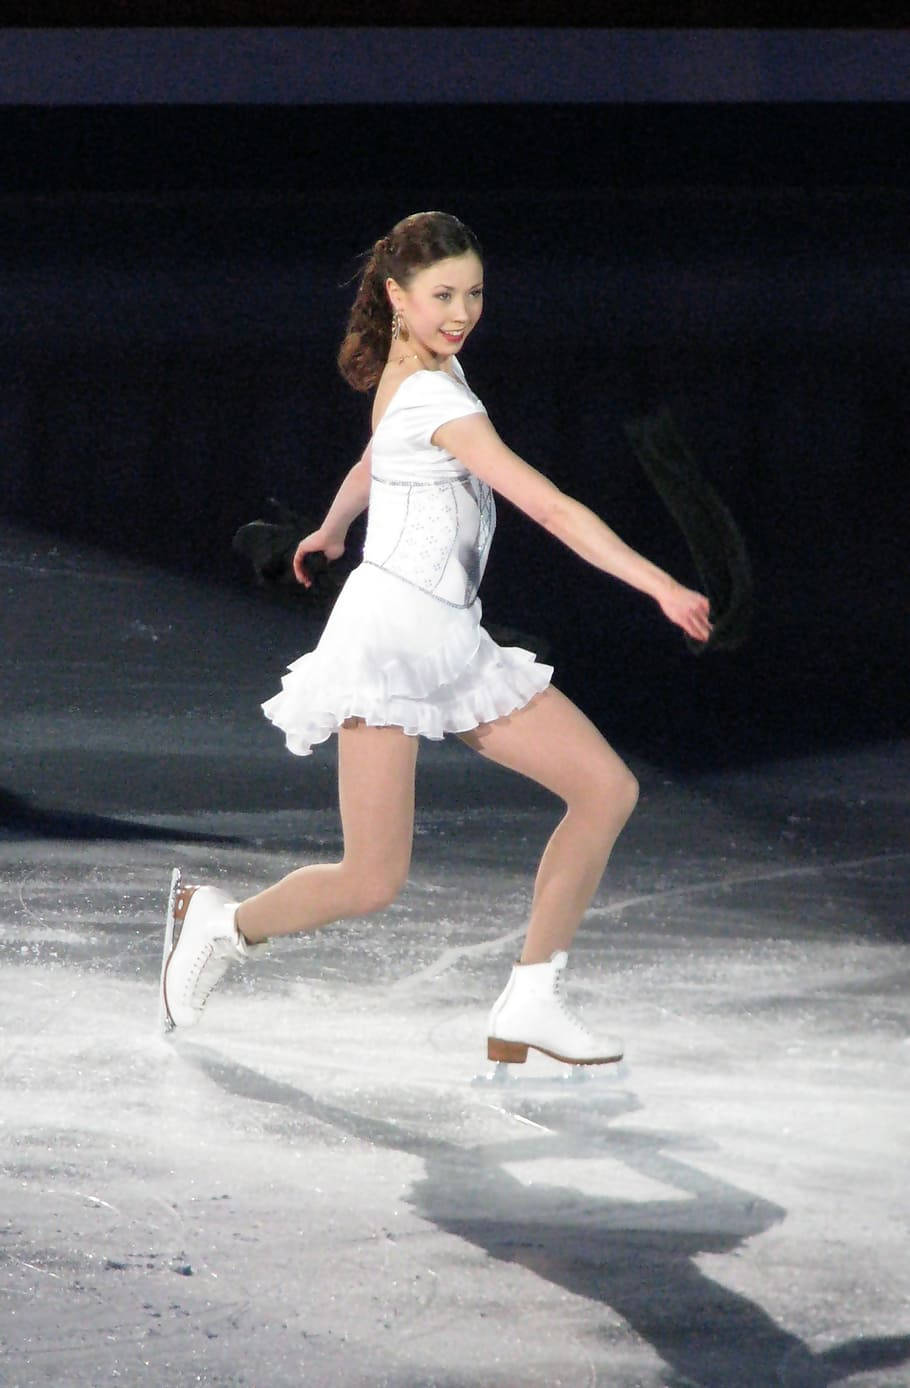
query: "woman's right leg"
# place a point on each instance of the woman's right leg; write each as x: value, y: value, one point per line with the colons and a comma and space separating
x: 376, y: 797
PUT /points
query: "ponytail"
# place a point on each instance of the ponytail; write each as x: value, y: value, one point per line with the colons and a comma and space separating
x: 365, y: 348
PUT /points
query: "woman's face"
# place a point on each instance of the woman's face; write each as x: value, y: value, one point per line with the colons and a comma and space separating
x: 442, y: 304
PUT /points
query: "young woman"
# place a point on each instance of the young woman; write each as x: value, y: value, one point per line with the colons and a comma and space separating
x: 403, y: 654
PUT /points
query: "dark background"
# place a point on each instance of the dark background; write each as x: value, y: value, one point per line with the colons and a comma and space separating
x: 175, y: 284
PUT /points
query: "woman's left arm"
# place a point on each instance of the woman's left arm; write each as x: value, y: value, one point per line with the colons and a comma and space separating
x: 592, y: 539
x: 473, y: 440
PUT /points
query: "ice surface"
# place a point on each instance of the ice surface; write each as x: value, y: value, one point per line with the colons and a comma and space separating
x: 323, y: 1184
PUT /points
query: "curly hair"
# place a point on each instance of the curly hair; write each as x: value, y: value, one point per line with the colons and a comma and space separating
x: 414, y: 243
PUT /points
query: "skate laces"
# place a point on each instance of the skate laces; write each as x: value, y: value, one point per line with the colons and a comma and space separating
x: 204, y: 975
x: 566, y: 1009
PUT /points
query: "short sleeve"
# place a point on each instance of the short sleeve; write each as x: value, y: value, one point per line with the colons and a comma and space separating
x: 439, y: 400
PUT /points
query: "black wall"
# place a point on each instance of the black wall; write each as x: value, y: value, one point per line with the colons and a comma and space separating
x: 173, y: 296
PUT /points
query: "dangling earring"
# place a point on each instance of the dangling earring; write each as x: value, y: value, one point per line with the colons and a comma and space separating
x: 397, y: 324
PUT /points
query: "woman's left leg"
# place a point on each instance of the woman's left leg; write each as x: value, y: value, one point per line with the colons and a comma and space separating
x: 553, y: 743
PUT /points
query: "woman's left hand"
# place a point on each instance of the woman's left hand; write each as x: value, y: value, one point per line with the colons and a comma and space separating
x: 687, y: 609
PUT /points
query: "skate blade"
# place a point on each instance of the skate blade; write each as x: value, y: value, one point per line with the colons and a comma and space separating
x: 165, y: 1025
x: 503, y: 1075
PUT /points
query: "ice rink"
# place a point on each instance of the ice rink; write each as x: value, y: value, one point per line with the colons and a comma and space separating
x: 324, y: 1183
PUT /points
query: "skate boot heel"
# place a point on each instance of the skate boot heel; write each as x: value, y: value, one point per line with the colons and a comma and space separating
x: 514, y: 1051
x: 182, y: 898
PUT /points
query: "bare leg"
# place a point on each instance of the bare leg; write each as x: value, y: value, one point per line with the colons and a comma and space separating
x: 553, y: 743
x: 376, y: 798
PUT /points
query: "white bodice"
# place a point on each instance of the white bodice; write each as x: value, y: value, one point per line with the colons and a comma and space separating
x: 430, y: 520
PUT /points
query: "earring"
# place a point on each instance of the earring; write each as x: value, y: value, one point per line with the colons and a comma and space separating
x: 396, y: 325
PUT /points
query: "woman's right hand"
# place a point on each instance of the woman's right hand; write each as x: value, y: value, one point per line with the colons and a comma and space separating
x: 316, y: 543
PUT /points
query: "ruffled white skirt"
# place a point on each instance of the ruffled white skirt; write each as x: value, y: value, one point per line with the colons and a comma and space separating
x: 394, y: 656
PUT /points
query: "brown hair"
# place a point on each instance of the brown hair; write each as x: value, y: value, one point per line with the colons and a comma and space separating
x: 413, y: 243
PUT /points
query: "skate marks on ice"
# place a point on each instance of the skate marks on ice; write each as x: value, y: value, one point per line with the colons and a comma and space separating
x: 827, y: 870
x: 713, y: 886
x: 115, y: 1292
x: 637, y: 1258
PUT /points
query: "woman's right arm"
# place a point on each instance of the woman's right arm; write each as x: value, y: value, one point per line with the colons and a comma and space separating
x: 351, y: 500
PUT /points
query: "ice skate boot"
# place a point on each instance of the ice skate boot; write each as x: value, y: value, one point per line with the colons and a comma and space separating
x: 531, y: 1012
x: 201, y: 940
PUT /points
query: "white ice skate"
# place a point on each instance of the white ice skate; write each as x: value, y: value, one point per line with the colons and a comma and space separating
x: 201, y: 939
x: 531, y: 1012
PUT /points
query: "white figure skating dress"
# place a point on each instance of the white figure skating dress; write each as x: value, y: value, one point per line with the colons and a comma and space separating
x: 403, y: 645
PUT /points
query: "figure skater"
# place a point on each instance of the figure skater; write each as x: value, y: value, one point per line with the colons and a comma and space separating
x: 403, y: 655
